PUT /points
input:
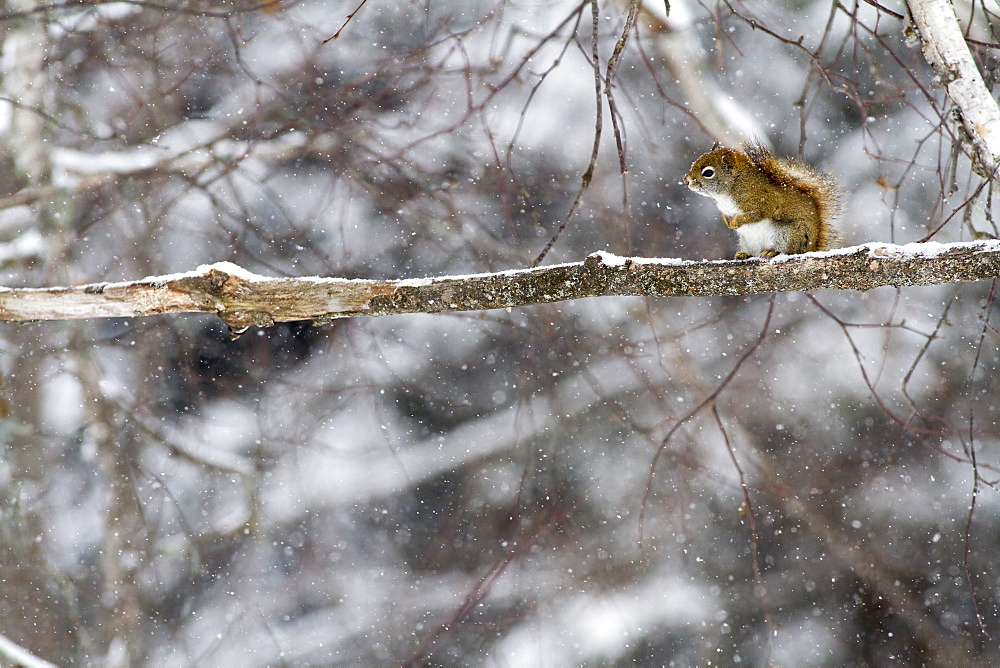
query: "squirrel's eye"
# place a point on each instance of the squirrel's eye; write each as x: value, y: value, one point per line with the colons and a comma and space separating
x: 708, y: 172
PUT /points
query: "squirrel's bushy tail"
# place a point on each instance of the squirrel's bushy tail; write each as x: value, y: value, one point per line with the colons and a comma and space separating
x: 822, y: 188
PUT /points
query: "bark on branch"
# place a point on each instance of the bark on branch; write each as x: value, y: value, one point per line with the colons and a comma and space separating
x: 243, y: 299
x: 944, y: 47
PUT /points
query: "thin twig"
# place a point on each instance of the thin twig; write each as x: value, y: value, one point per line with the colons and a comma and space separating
x: 346, y: 21
x: 598, y: 124
x: 967, y: 537
x: 751, y: 515
x: 485, y: 584
x: 707, y: 401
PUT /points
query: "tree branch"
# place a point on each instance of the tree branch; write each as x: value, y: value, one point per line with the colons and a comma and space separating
x: 944, y: 47
x: 243, y: 299
x: 20, y: 656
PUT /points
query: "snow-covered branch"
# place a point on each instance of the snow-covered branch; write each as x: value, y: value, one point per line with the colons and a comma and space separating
x: 243, y: 299
x: 199, y: 148
x: 944, y: 47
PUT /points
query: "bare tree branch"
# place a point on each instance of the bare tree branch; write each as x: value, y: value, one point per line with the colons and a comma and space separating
x: 243, y: 299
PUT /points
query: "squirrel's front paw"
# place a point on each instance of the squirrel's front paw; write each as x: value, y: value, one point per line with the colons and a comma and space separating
x: 742, y: 256
x: 768, y: 253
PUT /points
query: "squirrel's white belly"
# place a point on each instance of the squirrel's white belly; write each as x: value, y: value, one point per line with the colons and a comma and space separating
x: 763, y: 234
x: 726, y: 204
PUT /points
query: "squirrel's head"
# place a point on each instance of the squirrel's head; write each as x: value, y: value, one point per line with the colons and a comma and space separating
x: 714, y: 172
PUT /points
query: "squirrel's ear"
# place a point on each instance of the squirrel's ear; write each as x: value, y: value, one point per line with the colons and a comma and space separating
x: 716, y: 145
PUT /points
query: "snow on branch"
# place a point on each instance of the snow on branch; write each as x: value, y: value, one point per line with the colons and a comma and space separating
x: 944, y: 47
x: 243, y: 299
x: 194, y: 149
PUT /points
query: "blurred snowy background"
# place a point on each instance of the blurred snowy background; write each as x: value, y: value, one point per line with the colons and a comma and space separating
x: 484, y: 488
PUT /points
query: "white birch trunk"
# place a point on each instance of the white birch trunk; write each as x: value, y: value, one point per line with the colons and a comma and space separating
x: 944, y: 47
